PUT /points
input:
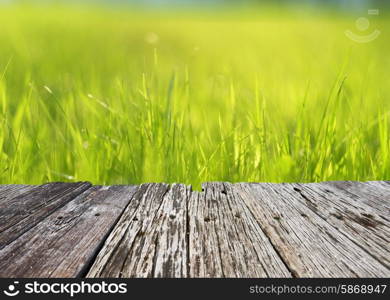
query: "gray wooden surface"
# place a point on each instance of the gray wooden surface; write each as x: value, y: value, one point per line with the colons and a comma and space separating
x: 330, y: 229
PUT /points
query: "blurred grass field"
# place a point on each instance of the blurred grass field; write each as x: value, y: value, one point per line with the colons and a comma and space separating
x: 122, y: 96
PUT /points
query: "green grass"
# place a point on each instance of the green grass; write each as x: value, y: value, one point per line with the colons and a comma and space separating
x: 116, y: 96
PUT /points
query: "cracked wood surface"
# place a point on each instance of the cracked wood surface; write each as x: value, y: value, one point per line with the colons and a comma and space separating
x: 65, y: 242
x: 225, y: 238
x: 23, y: 209
x: 309, y: 244
x: 330, y: 229
x: 150, y: 240
x: 365, y: 225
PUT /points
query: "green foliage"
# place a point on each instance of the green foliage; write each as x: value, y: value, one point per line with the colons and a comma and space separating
x: 129, y: 97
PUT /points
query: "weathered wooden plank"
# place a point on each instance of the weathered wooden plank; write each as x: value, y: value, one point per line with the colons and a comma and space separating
x: 225, y: 240
x: 20, y: 213
x: 355, y: 219
x: 383, y: 184
x: 150, y: 238
x: 374, y: 195
x: 333, y: 229
x: 383, y: 189
x: 9, y: 191
x: 65, y: 242
x: 308, y: 244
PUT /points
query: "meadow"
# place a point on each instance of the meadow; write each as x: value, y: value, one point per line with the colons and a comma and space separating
x: 113, y: 96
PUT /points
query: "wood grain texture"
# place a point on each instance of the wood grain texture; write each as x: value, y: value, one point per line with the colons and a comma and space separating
x: 150, y: 238
x: 65, y: 242
x: 308, y: 244
x: 225, y: 240
x: 26, y: 209
x: 382, y: 184
x: 9, y: 191
x: 372, y: 194
x: 331, y: 229
x: 358, y: 221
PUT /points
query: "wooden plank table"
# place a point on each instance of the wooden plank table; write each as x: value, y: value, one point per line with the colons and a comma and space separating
x: 330, y: 229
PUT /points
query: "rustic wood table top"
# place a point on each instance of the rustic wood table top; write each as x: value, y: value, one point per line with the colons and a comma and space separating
x: 330, y: 229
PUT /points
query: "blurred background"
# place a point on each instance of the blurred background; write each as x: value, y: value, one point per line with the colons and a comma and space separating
x: 130, y: 91
x: 342, y: 4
